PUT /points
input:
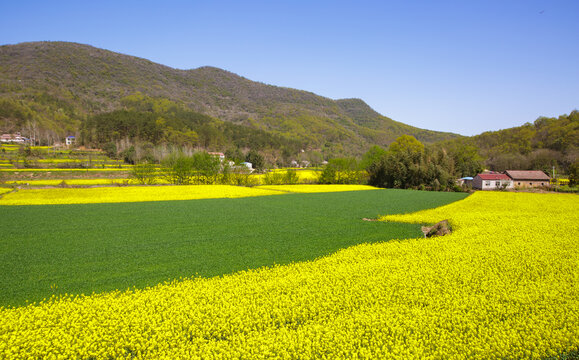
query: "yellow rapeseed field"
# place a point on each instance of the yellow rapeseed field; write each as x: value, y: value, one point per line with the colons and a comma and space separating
x: 112, y: 168
x: 128, y: 194
x: 304, y: 175
x: 504, y: 285
x: 153, y: 193
x: 70, y: 182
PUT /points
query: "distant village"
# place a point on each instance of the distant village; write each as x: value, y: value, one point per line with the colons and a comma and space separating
x: 17, y: 138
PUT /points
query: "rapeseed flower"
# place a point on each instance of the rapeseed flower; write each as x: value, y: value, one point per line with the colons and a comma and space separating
x: 504, y: 284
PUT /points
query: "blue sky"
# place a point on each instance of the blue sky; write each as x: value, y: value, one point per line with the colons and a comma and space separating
x: 461, y: 66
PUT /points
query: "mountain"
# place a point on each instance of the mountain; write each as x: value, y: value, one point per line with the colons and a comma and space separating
x: 50, y: 89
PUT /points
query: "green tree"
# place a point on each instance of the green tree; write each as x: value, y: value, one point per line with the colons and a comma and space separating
x: 466, y: 157
x: 206, y: 168
x: 390, y: 171
x: 110, y: 150
x: 179, y: 169
x: 341, y: 171
x: 144, y: 173
x: 129, y: 155
x: 235, y: 155
x: 273, y: 178
x: 406, y: 143
x: 574, y: 173
x: 372, y: 156
x: 256, y: 160
x: 291, y: 177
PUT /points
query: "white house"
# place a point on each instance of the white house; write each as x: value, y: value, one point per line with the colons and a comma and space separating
x: 70, y: 140
x: 492, y: 181
x: 247, y: 165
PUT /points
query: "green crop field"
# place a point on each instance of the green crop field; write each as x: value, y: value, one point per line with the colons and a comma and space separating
x: 55, y: 249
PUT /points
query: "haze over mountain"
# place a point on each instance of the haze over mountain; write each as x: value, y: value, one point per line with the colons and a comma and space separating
x: 53, y: 87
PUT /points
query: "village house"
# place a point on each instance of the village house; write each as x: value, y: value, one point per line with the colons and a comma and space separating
x: 492, y: 181
x: 528, y: 178
x: 220, y: 155
x: 70, y: 140
x: 12, y: 138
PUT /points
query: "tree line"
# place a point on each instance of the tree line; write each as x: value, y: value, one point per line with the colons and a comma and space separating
x: 406, y: 164
x: 202, y: 168
x: 147, y: 123
x: 546, y: 143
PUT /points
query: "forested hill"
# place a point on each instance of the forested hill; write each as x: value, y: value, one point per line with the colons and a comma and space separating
x: 52, y: 88
x: 547, y: 142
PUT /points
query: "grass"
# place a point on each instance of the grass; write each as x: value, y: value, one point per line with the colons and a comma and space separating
x: 83, y: 248
x: 314, y: 188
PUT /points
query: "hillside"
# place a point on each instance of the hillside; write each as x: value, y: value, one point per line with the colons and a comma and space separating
x: 49, y: 89
x: 540, y: 145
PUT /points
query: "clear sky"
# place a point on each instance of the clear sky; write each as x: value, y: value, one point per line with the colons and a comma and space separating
x: 464, y: 66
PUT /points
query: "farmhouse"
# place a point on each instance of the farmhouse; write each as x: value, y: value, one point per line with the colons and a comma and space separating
x: 70, y: 140
x: 526, y: 179
x: 220, y: 155
x: 14, y: 138
x: 492, y: 181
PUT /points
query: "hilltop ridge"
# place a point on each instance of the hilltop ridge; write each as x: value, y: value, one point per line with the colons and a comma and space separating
x: 58, y: 85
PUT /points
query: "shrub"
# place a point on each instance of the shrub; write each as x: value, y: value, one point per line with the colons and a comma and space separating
x: 291, y: 177
x: 178, y: 169
x: 129, y: 155
x: 273, y: 178
x: 144, y: 173
x: 242, y: 177
x: 206, y: 168
x: 342, y: 171
x: 110, y: 150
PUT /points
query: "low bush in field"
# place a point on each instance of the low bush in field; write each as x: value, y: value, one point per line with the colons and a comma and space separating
x: 290, y: 177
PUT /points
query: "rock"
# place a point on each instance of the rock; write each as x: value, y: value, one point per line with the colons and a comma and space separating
x: 441, y: 228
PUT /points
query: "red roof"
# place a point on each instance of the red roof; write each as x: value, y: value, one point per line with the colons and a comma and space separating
x: 494, y: 177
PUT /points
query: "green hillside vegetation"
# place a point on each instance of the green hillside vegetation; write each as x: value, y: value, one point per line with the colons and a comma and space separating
x: 409, y: 164
x: 147, y: 122
x: 541, y: 145
x: 385, y: 128
x: 52, y: 89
